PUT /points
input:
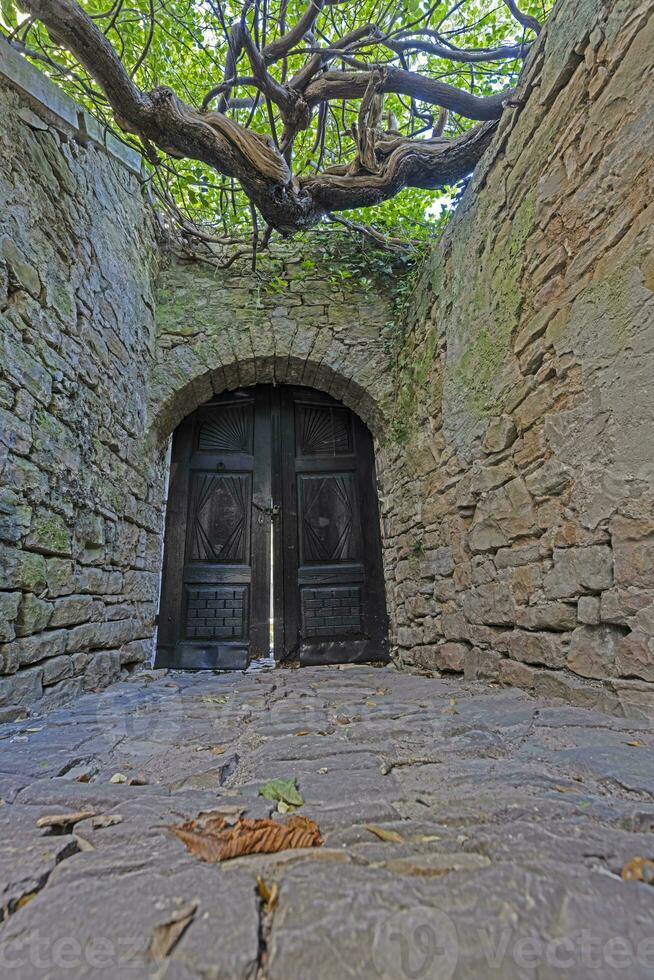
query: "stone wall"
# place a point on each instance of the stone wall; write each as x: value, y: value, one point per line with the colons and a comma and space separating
x: 519, y: 503
x: 79, y: 512
x: 296, y: 322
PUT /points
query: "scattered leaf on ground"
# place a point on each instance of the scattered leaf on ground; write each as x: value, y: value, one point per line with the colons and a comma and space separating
x: 213, y: 699
x: 210, y: 838
x: 370, y: 703
x: 302, y: 732
x: 24, y: 899
x: 57, y: 820
x: 218, y: 750
x: 391, y: 836
x: 269, y: 894
x: 426, y: 838
x: 166, y: 935
x: 342, y: 719
x: 566, y: 789
x: 380, y: 691
x: 635, y: 743
x: 284, y: 790
x: 118, y: 777
x: 84, y: 777
x: 638, y: 869
x: 106, y: 820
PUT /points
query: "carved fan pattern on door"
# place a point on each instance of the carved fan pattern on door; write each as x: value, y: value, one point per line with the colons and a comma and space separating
x: 219, y: 518
x: 227, y: 432
x: 323, y: 431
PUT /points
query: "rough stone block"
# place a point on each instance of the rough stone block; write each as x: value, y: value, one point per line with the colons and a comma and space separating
x: 635, y: 656
x: 588, y: 610
x: 543, y: 649
x: 593, y: 651
x: 579, y: 570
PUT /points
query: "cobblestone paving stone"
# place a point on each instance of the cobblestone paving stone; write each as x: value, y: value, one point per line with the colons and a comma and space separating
x: 516, y: 817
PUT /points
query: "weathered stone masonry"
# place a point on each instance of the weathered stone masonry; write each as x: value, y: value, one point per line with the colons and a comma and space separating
x: 511, y: 406
x: 519, y: 516
x: 80, y: 513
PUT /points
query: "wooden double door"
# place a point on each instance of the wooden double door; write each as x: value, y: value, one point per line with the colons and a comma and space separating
x: 272, y: 535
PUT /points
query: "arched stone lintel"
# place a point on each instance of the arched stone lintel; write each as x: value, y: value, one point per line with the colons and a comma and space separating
x: 179, y: 401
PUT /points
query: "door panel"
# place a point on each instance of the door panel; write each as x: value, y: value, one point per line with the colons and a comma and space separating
x: 216, y: 561
x: 334, y: 608
x: 316, y: 459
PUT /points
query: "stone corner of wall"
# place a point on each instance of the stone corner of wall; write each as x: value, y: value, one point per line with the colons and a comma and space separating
x: 62, y: 111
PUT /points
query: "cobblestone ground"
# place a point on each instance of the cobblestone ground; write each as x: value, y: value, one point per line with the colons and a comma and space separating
x: 515, y: 819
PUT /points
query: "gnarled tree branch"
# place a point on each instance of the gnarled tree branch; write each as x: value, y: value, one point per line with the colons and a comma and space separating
x: 385, y: 162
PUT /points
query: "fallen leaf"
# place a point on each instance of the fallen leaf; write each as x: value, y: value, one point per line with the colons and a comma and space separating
x: 342, y: 719
x: 118, y: 777
x: 212, y: 840
x: 106, y: 820
x: 284, y: 790
x: 218, y: 750
x: 381, y: 691
x: 166, y: 935
x: 371, y: 704
x: 302, y: 732
x: 84, y: 777
x: 269, y: 894
x: 391, y: 836
x: 635, y: 743
x: 24, y: 899
x: 638, y: 869
x: 57, y: 820
x: 566, y: 789
x: 213, y: 699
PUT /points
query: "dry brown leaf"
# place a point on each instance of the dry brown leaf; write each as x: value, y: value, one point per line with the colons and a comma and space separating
x: 638, y: 869
x: 302, y: 732
x: 269, y: 894
x: 166, y: 935
x: 212, y: 839
x: 391, y: 836
x: 218, y: 750
x: 566, y: 789
x: 635, y: 743
x: 64, y: 819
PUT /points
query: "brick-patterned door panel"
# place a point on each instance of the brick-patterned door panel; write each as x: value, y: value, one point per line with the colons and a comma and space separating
x: 217, y: 613
x: 334, y: 612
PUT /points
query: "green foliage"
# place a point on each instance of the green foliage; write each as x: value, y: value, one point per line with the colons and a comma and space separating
x: 186, y: 49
